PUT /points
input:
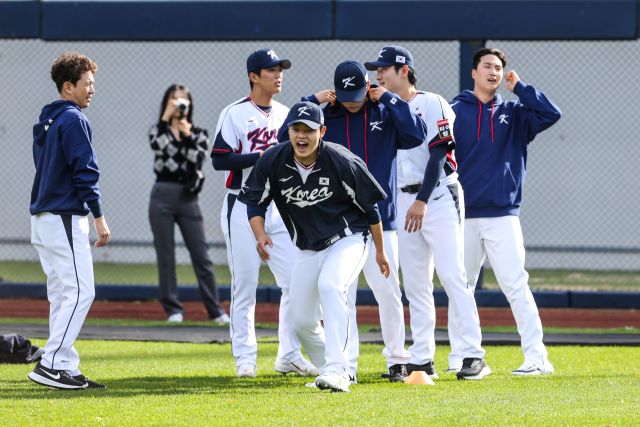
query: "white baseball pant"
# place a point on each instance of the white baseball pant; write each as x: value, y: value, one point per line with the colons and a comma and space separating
x: 244, y: 263
x: 63, y: 244
x: 438, y: 244
x: 322, y: 279
x: 500, y: 239
x: 389, y: 298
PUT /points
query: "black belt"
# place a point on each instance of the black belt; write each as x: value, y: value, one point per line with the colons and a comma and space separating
x: 414, y: 188
x: 335, y: 238
x: 330, y: 242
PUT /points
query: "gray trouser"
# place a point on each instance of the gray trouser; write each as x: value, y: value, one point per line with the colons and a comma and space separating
x: 168, y: 206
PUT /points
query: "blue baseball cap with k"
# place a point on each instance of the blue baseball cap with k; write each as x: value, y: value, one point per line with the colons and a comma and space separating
x: 308, y: 113
x: 391, y: 55
x: 350, y: 81
x: 265, y: 58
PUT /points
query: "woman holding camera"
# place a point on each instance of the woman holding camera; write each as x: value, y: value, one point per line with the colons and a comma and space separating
x: 180, y: 149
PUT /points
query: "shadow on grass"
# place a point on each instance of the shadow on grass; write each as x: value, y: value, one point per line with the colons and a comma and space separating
x: 220, y: 386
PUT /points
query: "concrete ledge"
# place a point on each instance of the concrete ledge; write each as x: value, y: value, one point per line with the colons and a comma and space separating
x: 272, y: 294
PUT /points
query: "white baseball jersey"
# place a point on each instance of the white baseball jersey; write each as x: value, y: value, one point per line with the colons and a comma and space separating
x: 438, y: 116
x: 245, y: 128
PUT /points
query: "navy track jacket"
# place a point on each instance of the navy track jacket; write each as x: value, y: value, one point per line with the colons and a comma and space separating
x: 491, y: 147
x: 338, y: 198
x: 66, y: 181
x: 375, y: 134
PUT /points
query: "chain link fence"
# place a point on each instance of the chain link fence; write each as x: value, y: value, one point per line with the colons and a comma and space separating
x: 579, y: 196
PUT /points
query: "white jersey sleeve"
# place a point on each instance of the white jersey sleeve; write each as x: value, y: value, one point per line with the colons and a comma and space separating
x: 438, y: 117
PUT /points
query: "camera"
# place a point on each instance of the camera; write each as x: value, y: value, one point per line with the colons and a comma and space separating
x: 183, y: 105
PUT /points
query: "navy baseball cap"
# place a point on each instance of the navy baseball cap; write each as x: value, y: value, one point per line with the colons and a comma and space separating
x: 308, y: 113
x: 350, y: 81
x: 391, y: 55
x: 265, y: 58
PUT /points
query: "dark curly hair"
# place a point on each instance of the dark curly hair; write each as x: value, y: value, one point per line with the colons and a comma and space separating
x: 69, y: 66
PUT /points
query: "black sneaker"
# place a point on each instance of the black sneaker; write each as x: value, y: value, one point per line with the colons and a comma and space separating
x: 428, y: 367
x: 90, y: 384
x: 398, y: 373
x: 473, y: 369
x: 56, y: 379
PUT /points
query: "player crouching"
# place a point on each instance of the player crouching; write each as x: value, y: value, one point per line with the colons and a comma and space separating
x: 327, y: 199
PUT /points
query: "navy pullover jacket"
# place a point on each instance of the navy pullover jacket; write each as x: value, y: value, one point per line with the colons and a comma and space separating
x: 491, y: 147
x: 374, y: 134
x: 66, y: 181
x: 337, y: 199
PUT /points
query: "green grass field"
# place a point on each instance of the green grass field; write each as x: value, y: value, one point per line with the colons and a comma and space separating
x: 168, y: 384
x: 145, y: 274
x: 362, y: 328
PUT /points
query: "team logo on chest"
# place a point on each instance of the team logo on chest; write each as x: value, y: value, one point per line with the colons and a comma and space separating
x: 304, y: 198
x: 503, y: 118
x: 374, y: 125
x: 261, y: 138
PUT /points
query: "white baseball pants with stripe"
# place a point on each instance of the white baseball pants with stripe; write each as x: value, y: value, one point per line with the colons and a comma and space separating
x: 319, y: 287
x: 389, y: 298
x: 501, y: 240
x: 438, y: 244
x: 63, y: 244
x: 244, y: 263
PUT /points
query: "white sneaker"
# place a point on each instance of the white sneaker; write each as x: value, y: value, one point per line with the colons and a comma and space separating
x: 223, y: 318
x: 301, y: 367
x: 246, y: 370
x: 331, y: 381
x: 175, y: 318
x: 530, y: 369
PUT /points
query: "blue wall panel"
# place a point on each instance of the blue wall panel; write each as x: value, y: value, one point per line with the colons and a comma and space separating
x: 491, y: 19
x: 19, y: 19
x: 188, y: 20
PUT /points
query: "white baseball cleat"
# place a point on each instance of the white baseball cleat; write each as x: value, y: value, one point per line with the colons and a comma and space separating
x: 177, y: 317
x: 246, y: 370
x: 223, y: 318
x: 530, y: 369
x: 301, y: 367
x: 333, y: 382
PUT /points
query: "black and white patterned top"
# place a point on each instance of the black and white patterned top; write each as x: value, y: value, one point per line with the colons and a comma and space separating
x: 178, y: 161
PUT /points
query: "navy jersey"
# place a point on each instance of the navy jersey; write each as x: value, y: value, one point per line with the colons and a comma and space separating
x: 337, y: 199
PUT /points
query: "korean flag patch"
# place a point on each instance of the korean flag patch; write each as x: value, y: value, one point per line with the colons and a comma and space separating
x: 324, y: 181
x: 393, y: 101
x: 443, y: 129
x: 400, y: 59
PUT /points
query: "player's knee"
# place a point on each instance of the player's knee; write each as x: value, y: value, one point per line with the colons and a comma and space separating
x: 327, y: 288
x: 87, y: 296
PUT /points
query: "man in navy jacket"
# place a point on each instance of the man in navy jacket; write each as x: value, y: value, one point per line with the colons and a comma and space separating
x: 374, y: 124
x: 492, y: 138
x: 65, y: 190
